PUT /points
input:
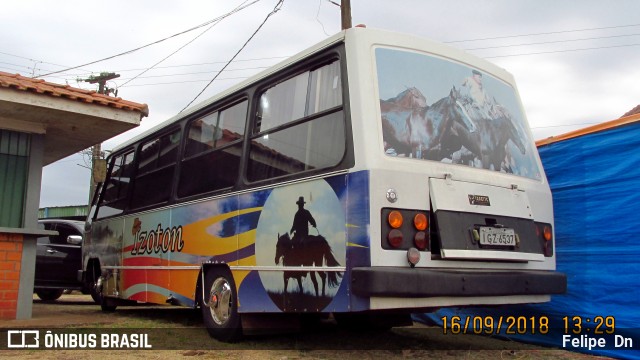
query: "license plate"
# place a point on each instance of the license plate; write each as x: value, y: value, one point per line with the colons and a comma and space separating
x: 497, y: 236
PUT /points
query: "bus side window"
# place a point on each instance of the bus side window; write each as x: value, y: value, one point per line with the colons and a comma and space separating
x: 283, y: 103
x: 213, y: 151
x: 115, y: 189
x: 201, y: 135
x: 154, y: 177
x: 325, y: 90
x: 316, y: 138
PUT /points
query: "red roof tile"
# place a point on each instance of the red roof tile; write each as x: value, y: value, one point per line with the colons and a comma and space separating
x: 39, y: 86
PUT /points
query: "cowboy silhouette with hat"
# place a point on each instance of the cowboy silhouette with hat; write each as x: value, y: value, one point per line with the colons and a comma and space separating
x: 301, y: 222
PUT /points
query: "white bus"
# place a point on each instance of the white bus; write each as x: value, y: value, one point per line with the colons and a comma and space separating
x: 373, y: 172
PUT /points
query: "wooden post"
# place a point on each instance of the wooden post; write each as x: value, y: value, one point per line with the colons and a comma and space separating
x: 345, y: 11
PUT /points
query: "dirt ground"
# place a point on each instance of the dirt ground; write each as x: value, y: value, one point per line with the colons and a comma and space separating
x: 182, y: 331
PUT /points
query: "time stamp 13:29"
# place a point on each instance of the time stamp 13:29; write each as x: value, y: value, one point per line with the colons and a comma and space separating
x: 576, y: 331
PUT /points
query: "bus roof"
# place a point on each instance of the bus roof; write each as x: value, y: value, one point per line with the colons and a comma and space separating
x: 590, y: 130
x: 371, y: 35
x: 265, y: 73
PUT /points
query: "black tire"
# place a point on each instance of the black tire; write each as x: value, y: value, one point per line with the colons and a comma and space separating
x: 107, y: 305
x: 220, y: 313
x: 92, y: 284
x: 94, y: 295
x: 49, y: 294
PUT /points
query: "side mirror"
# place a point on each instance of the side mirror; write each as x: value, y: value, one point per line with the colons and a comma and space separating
x: 74, y: 239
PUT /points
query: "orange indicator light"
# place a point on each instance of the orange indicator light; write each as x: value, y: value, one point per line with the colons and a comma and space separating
x: 547, y: 233
x: 420, y: 222
x: 395, y: 219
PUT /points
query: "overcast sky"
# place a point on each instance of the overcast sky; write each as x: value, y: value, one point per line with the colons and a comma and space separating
x: 575, y: 61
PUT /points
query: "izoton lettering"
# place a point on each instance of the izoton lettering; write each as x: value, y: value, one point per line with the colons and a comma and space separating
x: 160, y: 240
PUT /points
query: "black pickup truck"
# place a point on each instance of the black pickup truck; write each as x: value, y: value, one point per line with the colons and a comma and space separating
x: 58, y: 260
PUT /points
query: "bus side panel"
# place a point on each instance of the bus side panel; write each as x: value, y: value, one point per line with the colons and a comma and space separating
x: 221, y: 232
x: 156, y: 256
x: 106, y: 245
x: 210, y: 233
x: 339, y: 206
x: 358, y: 230
x: 143, y: 248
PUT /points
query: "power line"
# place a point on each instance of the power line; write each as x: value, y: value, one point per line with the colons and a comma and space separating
x: 318, y: 18
x: 172, y: 66
x: 180, y: 48
x: 13, y: 69
x: 155, y: 42
x: 87, y: 72
x: 275, y: 10
x: 200, y: 64
x: 279, y: 57
x: 75, y: 79
x: 12, y: 64
x: 193, y: 73
x: 561, y: 51
x: 552, y: 42
x: 543, y: 33
x: 187, y: 81
x: 33, y: 60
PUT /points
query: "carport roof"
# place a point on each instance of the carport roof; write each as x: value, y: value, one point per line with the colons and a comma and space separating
x: 71, y: 119
x: 39, y: 86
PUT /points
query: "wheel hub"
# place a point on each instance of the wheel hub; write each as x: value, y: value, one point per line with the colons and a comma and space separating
x: 220, y: 301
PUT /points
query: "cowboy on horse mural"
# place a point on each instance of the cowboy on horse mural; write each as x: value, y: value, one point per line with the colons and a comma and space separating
x: 301, y: 222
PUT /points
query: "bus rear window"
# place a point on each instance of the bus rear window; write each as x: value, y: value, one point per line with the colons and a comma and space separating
x: 440, y: 110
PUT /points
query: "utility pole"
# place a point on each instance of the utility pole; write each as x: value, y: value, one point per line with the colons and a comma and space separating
x: 101, y: 80
x: 96, y: 150
x: 345, y: 11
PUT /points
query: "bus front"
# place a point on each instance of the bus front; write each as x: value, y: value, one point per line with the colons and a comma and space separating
x: 460, y: 210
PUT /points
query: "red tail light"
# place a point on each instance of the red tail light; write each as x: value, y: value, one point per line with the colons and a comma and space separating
x: 395, y: 238
x: 420, y: 240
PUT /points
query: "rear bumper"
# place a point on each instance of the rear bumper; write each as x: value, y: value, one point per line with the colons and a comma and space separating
x: 422, y: 282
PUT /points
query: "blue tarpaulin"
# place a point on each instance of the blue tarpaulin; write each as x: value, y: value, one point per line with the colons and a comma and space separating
x: 595, y: 181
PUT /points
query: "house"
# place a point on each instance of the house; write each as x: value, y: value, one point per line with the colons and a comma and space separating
x: 40, y: 123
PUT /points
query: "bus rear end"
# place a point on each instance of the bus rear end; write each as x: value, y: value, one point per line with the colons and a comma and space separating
x: 460, y: 210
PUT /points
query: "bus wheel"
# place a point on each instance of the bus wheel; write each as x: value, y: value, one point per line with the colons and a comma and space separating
x: 106, y: 304
x: 92, y: 284
x: 220, y: 306
x: 94, y: 294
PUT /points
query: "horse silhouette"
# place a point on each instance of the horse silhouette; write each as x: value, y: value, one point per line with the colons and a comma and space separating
x: 314, y: 252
